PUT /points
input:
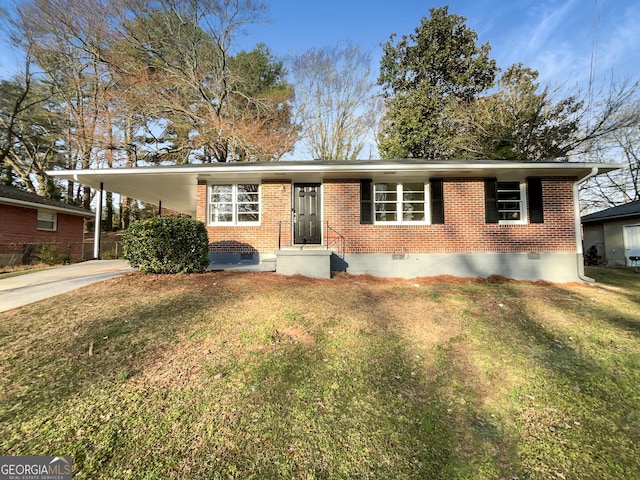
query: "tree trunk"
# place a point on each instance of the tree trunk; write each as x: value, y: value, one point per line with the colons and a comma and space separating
x: 125, y: 213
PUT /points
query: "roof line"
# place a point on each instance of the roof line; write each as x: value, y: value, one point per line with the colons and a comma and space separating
x: 334, y: 166
x: 46, y: 206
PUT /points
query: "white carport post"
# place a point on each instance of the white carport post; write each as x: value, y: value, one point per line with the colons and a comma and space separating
x: 98, y: 226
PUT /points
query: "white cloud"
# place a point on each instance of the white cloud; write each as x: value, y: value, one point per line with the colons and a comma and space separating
x: 617, y: 51
x: 570, y: 42
x: 550, y: 19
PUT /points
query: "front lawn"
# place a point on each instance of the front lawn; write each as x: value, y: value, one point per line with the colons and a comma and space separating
x: 227, y: 375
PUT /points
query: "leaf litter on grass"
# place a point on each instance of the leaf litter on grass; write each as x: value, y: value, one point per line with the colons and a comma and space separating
x: 264, y: 376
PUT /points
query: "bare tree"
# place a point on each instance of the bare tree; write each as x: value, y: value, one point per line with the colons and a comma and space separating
x: 620, y: 186
x: 29, y: 131
x: 613, y: 111
x: 66, y: 38
x: 153, y: 80
x: 177, y: 57
x: 522, y: 121
x: 334, y: 100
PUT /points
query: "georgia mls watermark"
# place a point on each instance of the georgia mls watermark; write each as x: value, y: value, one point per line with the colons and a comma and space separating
x: 35, y: 468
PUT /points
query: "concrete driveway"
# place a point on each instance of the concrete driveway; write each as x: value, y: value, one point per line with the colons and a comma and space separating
x: 32, y: 287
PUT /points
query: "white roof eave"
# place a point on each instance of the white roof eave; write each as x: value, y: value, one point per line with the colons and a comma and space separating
x: 174, y: 186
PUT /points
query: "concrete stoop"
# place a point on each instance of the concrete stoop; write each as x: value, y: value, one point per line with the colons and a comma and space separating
x: 310, y: 263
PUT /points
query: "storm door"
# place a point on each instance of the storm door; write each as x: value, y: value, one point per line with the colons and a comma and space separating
x: 631, y: 236
x: 307, y: 221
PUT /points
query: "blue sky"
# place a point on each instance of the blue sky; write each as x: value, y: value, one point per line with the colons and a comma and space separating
x: 565, y: 40
x: 569, y: 42
x: 555, y: 37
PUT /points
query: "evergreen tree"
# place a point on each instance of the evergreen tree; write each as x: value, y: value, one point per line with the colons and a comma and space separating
x: 438, y: 64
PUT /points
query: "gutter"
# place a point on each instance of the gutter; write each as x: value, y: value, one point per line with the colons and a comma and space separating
x: 578, y: 226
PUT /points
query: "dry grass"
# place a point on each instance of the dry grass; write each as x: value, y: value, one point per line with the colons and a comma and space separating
x: 227, y: 375
x: 8, y: 271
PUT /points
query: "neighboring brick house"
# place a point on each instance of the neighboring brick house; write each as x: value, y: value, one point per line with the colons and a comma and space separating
x: 28, y: 221
x: 402, y: 218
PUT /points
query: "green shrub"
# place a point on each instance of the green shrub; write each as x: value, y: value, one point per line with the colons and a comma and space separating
x: 47, y: 253
x: 166, y: 245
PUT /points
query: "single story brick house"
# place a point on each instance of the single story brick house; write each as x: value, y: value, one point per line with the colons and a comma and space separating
x: 614, y: 234
x: 399, y: 218
x: 28, y: 221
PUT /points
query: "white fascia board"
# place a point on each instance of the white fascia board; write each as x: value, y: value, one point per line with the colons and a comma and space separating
x: 345, y: 167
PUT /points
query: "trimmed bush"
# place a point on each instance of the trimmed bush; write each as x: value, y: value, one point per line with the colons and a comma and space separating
x: 167, y: 245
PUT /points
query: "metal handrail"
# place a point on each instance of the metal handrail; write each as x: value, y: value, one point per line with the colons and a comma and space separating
x: 333, y: 240
x: 338, y: 240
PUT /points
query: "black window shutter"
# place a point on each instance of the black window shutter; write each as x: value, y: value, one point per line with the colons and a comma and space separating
x: 491, y: 200
x: 437, y: 201
x: 534, y: 189
x: 366, y: 202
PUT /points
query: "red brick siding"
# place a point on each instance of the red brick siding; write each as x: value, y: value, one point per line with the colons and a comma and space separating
x: 18, y: 226
x: 275, y: 207
x: 464, y: 230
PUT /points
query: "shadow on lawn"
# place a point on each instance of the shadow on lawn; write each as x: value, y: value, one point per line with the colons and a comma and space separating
x: 357, y: 399
x: 355, y: 404
x: 106, y: 349
x: 560, y: 352
x: 580, y: 382
x: 335, y: 410
x: 628, y: 281
x: 625, y: 282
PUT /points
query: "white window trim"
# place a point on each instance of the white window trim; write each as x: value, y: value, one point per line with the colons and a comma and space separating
x: 399, y: 203
x: 523, y: 204
x: 234, y: 194
x: 55, y: 220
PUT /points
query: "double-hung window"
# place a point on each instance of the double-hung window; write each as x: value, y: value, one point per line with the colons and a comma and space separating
x: 402, y: 203
x: 511, y: 204
x: 234, y: 204
x: 514, y: 202
x: 47, y: 220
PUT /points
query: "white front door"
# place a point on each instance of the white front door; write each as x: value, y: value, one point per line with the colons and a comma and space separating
x: 631, y: 243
